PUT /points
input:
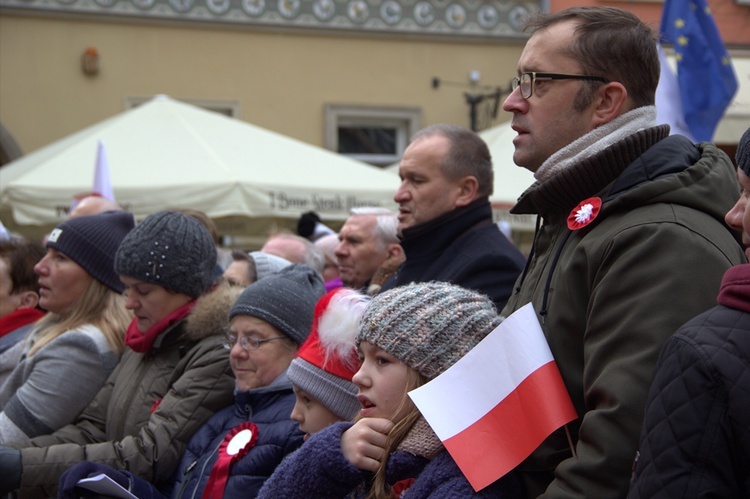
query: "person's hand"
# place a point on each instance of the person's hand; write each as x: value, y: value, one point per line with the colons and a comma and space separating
x: 363, y: 444
x: 10, y: 469
x: 68, y: 481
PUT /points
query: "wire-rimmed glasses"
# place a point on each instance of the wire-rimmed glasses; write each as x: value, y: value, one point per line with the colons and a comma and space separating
x: 247, y: 342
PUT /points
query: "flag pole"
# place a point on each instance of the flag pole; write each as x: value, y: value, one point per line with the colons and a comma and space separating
x: 570, y: 441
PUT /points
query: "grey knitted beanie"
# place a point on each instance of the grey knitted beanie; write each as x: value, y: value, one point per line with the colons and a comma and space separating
x: 286, y: 300
x: 428, y: 326
x: 92, y: 241
x: 267, y: 264
x: 172, y: 250
x: 327, y: 360
x: 743, y: 153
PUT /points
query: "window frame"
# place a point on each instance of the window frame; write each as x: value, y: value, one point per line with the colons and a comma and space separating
x: 406, y: 121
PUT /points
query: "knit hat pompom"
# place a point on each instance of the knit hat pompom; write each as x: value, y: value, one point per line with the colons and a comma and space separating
x: 285, y: 299
x: 92, y: 241
x: 428, y: 326
x: 170, y: 249
x: 743, y: 153
x: 327, y: 361
x: 339, y: 318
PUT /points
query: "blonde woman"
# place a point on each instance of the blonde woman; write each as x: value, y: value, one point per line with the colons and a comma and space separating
x: 72, y: 349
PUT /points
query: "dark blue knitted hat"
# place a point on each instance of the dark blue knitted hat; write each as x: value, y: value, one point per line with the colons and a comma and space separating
x: 92, y: 241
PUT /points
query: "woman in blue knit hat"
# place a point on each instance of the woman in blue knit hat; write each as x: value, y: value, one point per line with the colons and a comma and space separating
x: 66, y: 358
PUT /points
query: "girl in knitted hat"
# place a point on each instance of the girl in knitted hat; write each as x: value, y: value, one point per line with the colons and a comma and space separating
x: 322, y: 372
x: 68, y: 355
x: 408, y: 336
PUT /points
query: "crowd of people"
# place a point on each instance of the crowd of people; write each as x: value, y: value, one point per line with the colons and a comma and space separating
x: 176, y: 368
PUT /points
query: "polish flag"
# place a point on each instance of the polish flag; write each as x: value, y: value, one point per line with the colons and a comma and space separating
x: 499, y: 402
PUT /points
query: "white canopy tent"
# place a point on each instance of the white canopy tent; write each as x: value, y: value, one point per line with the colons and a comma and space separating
x: 170, y: 154
x: 510, y: 179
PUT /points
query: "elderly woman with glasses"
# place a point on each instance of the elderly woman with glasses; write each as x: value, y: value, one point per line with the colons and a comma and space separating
x: 233, y: 453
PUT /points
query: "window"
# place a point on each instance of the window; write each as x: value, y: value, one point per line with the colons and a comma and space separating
x: 375, y: 135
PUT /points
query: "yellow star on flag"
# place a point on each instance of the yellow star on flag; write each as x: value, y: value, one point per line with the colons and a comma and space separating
x: 683, y: 40
x: 679, y: 23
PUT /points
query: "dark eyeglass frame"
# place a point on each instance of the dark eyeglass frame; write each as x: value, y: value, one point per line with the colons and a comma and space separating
x: 533, y: 76
x: 247, y: 343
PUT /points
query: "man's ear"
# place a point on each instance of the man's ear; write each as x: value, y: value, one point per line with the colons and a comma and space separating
x: 395, y: 250
x: 468, y: 187
x: 29, y: 299
x: 611, y: 101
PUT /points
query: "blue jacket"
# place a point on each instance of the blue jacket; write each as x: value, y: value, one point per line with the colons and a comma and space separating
x: 269, y: 408
x: 320, y: 470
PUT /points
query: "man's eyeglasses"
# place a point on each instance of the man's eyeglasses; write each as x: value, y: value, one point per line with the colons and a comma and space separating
x: 526, y: 80
x: 247, y: 342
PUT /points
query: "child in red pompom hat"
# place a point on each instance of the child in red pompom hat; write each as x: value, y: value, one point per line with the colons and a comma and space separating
x: 322, y: 372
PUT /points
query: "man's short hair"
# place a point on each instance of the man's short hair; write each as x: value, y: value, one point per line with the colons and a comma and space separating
x: 612, y: 43
x: 21, y: 256
x: 241, y: 256
x: 386, y: 223
x: 468, y: 155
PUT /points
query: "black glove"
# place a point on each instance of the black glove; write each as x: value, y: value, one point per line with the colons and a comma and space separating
x: 10, y: 469
x: 67, y: 487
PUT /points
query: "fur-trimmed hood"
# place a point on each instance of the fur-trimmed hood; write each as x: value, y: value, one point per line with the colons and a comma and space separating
x: 209, y: 317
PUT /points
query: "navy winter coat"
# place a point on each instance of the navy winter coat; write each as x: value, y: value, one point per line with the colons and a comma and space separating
x: 695, y: 440
x: 269, y: 408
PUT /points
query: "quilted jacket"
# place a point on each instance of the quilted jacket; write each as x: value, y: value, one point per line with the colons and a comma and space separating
x: 695, y: 440
x: 269, y: 408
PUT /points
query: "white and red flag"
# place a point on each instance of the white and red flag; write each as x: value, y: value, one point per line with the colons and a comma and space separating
x: 499, y: 402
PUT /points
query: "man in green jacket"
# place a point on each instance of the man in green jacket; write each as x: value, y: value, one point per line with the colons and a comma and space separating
x: 632, y: 243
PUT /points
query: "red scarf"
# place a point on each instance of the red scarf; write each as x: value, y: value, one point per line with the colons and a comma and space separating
x: 19, y: 318
x: 142, y: 342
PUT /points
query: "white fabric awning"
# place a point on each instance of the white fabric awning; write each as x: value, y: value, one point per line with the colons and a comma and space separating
x: 167, y: 154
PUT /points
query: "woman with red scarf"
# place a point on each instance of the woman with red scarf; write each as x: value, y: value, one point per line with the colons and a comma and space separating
x: 173, y: 376
x: 239, y: 447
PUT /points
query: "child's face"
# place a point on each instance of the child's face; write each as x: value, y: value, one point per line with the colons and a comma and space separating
x: 382, y: 381
x: 311, y: 415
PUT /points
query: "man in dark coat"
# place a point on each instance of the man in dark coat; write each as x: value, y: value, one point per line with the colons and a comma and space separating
x: 445, y: 219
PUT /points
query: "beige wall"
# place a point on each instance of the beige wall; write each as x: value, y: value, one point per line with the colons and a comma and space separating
x: 280, y: 80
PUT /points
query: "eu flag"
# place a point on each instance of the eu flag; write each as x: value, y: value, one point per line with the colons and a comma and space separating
x: 704, y: 72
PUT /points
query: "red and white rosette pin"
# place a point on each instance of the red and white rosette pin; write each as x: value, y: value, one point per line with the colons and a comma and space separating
x: 237, y: 443
x: 584, y: 213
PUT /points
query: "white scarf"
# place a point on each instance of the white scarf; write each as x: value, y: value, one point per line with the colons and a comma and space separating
x: 597, y: 140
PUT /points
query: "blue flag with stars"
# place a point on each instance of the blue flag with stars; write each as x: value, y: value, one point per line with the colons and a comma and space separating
x: 704, y: 72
